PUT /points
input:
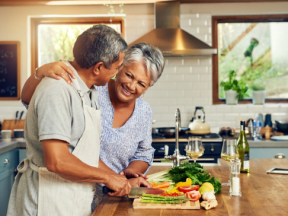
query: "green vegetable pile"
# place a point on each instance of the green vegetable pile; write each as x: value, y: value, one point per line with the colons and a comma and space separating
x: 150, y: 198
x: 197, y: 174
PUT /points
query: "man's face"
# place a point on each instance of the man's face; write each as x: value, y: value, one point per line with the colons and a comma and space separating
x: 106, y: 74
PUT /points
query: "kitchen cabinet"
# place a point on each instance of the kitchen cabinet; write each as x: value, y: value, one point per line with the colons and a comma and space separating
x: 8, y: 163
x: 267, y: 153
x: 22, y: 154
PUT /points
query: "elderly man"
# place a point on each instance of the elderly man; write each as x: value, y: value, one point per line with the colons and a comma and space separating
x: 62, y: 134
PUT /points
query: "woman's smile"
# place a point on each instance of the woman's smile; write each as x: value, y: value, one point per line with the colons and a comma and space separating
x: 125, y: 91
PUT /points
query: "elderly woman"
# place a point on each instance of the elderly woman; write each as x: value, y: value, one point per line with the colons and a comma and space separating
x: 126, y: 118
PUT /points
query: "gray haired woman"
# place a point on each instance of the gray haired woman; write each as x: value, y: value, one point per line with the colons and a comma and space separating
x: 126, y: 118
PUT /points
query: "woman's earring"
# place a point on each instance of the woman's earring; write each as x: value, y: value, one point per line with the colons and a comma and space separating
x: 142, y: 95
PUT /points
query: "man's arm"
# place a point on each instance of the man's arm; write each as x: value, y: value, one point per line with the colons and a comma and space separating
x: 103, y: 166
x: 59, y: 160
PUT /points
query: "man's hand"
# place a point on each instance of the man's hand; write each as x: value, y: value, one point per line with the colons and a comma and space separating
x: 130, y: 174
x: 119, y: 184
x: 139, y: 182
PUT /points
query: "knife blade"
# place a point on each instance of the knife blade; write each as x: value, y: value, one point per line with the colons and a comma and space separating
x: 137, y: 191
x: 21, y: 114
x: 16, y: 116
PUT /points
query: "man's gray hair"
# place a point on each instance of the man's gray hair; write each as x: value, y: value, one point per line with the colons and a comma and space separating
x: 150, y: 56
x: 99, y: 43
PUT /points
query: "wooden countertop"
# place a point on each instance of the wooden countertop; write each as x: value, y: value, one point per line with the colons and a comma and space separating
x: 262, y: 194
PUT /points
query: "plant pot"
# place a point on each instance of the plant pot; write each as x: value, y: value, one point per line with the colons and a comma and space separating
x: 231, y: 97
x: 258, y: 97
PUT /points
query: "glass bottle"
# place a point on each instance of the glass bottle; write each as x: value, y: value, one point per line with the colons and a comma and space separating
x: 243, y: 149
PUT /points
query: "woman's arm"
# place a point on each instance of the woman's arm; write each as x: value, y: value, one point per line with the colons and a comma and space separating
x: 135, y: 169
x: 55, y: 70
x: 142, y: 159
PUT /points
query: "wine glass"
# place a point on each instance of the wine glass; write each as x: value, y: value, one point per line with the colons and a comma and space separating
x: 229, y: 152
x: 195, y: 148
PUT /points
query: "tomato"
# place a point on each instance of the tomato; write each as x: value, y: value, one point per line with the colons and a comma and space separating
x: 193, y: 195
x: 188, y: 188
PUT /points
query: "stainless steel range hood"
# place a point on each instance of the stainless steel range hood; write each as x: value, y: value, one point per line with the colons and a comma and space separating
x: 168, y: 36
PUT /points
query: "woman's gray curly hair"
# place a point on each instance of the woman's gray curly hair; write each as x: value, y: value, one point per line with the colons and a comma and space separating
x: 150, y: 56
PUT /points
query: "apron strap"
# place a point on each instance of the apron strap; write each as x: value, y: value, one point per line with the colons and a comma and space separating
x: 75, y: 81
x: 22, y: 167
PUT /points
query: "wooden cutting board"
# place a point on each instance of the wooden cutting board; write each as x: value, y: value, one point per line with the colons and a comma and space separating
x: 188, y: 205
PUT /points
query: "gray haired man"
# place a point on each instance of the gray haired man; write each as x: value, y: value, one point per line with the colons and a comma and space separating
x: 62, y: 134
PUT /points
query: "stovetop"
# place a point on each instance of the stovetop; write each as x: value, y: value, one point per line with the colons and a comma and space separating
x: 212, y: 137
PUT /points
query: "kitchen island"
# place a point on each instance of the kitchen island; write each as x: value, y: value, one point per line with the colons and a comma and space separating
x: 262, y: 194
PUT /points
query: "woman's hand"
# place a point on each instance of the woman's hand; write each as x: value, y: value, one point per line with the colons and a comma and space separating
x: 56, y: 70
x: 139, y: 182
x: 130, y: 174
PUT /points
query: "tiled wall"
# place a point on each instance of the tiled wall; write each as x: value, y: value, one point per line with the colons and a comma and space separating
x: 187, y: 82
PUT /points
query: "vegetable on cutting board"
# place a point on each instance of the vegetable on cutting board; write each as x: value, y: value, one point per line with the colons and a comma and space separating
x: 162, y: 185
x: 209, y: 204
x: 196, y: 173
x: 188, y: 182
x: 193, y: 195
x: 208, y: 196
x: 188, y: 188
x: 206, y: 187
x: 150, y: 198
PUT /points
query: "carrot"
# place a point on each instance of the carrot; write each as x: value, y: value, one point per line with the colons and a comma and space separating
x: 153, y: 184
x: 161, y: 185
x: 163, y: 188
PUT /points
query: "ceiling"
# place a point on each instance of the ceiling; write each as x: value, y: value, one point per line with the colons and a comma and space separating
x: 101, y: 2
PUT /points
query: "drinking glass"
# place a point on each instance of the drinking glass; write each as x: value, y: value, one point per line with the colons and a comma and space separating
x: 195, y: 148
x: 229, y: 152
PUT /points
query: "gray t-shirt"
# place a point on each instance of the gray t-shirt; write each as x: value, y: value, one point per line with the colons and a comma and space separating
x: 55, y: 112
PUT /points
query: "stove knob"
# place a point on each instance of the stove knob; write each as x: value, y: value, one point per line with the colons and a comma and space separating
x: 212, y: 149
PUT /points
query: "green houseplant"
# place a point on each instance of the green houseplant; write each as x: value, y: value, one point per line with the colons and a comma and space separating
x: 234, y: 90
x: 258, y: 92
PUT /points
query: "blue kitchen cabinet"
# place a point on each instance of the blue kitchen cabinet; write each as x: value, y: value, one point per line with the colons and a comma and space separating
x: 22, y: 154
x: 266, y: 153
x: 8, y: 163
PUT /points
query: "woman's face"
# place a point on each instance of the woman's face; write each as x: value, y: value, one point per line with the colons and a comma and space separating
x: 132, y: 81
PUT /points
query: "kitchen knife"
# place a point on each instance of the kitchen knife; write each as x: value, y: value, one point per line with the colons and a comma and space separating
x: 16, y: 117
x: 137, y: 191
x: 21, y: 114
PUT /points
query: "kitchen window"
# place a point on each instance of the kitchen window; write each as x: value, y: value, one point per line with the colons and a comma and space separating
x: 53, y: 39
x: 255, y: 47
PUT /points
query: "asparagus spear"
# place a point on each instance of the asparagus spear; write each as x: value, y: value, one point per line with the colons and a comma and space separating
x: 164, y: 202
x: 163, y: 197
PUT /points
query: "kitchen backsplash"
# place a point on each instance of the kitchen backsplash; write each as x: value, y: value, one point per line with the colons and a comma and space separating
x: 185, y: 82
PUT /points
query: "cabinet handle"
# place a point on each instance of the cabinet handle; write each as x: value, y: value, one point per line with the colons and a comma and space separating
x: 6, y: 161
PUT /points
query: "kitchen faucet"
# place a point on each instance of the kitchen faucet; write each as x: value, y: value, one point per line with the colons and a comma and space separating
x: 176, y: 157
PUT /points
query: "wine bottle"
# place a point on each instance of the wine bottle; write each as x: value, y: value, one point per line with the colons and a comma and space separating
x: 243, y: 149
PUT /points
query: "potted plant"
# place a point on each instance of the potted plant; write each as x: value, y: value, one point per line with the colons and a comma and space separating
x: 258, y: 92
x: 234, y: 90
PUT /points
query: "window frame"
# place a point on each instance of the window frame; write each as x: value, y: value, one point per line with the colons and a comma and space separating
x: 35, y: 22
x: 235, y: 19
